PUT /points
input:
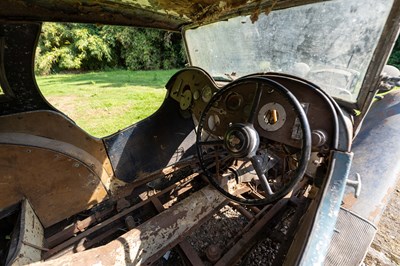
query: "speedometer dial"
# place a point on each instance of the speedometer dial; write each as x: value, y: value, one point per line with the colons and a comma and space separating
x: 206, y: 94
x: 186, y: 100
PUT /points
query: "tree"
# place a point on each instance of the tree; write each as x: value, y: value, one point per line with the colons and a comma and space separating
x: 64, y: 46
x: 145, y: 48
x: 71, y: 46
x: 395, y: 56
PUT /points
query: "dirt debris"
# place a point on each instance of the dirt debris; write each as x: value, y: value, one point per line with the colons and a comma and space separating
x: 385, y: 249
x: 218, y: 231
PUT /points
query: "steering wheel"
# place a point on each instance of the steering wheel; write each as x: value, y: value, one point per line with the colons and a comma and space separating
x: 233, y: 147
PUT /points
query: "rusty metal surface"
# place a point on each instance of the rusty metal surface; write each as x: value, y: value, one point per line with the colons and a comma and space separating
x: 31, y: 238
x: 70, y: 243
x: 78, y: 226
x: 236, y: 246
x: 54, y: 125
x: 376, y: 158
x: 248, y: 239
x: 17, y: 55
x: 249, y: 216
x: 170, y: 15
x: 57, y: 185
x: 157, y: 235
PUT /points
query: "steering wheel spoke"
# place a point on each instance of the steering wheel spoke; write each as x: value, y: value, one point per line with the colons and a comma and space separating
x: 255, y: 104
x: 257, y: 164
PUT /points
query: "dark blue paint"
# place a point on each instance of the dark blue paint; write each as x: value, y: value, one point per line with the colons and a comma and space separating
x: 376, y: 158
x: 328, y: 210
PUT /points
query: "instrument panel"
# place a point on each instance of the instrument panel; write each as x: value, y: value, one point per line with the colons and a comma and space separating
x: 193, y: 89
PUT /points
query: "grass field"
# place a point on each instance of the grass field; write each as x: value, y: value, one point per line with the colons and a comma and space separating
x: 104, y: 102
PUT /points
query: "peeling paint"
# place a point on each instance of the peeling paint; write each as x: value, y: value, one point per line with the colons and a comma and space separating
x: 349, y: 200
x: 31, y: 237
x: 156, y: 235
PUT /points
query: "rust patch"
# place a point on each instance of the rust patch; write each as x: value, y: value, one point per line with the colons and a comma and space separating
x: 208, y: 10
x: 375, y: 213
x: 156, y: 236
x: 348, y: 201
x: 200, y: 10
x: 254, y: 16
x: 380, y: 208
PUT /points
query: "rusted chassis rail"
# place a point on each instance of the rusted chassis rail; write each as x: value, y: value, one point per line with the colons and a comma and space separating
x: 146, y: 243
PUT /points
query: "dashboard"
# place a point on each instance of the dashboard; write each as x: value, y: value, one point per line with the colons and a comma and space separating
x: 275, y: 118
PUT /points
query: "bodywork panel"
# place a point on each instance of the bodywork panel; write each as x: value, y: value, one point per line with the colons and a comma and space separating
x: 17, y: 53
x: 376, y: 159
x: 318, y: 225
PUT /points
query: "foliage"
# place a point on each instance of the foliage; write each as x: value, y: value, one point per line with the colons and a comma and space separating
x: 71, y: 46
x: 395, y: 56
x: 146, y: 48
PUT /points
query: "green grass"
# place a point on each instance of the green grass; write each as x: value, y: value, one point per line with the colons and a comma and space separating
x: 104, y: 102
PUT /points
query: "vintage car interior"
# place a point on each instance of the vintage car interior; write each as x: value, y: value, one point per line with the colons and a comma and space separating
x: 271, y: 135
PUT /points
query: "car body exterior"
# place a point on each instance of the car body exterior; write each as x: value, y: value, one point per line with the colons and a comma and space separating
x: 283, y: 87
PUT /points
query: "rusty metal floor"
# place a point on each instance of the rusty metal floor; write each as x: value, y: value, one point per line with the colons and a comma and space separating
x: 148, y: 228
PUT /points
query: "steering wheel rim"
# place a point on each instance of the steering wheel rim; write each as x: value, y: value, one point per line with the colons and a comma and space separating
x: 244, y: 135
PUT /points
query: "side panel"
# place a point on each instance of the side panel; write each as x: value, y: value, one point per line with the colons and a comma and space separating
x: 376, y: 158
x: 57, y: 185
x: 323, y: 225
x: 47, y: 159
x: 160, y: 140
x: 376, y: 154
x: 17, y: 53
x: 54, y: 125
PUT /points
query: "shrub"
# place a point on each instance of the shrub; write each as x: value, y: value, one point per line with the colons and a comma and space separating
x: 71, y: 46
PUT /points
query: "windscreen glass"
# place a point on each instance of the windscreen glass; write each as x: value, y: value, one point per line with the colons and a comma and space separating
x: 329, y: 43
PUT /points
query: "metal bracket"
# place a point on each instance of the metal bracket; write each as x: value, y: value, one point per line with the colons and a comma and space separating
x: 356, y: 184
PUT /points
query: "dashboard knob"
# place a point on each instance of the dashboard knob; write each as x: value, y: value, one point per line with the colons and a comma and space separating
x: 318, y: 138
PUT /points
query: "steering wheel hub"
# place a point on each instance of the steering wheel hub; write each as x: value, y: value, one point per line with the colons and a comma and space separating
x: 241, y: 140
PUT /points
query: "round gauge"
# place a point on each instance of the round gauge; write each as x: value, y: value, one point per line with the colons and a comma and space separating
x: 206, y: 94
x: 234, y: 102
x: 196, y: 95
x: 186, y: 99
x: 272, y: 116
